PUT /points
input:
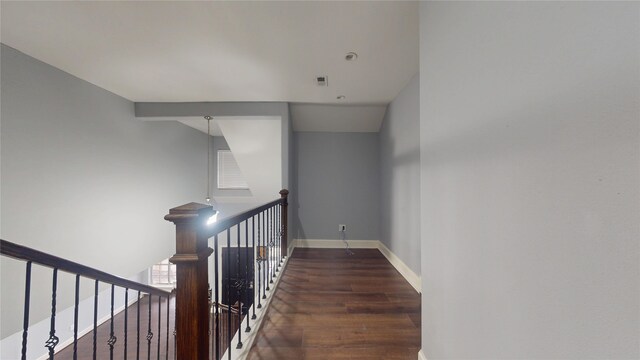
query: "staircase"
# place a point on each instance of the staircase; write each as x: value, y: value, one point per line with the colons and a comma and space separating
x: 189, y: 323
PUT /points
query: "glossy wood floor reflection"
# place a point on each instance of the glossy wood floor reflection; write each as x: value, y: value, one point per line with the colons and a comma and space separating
x: 330, y: 305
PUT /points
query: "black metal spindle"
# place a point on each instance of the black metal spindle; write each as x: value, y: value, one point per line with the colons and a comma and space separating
x: 138, y: 329
x: 276, y: 264
x: 268, y: 239
x: 149, y: 333
x: 280, y: 232
x: 217, y: 296
x: 159, y: 321
x: 246, y: 271
x: 259, y: 262
x: 95, y: 320
x: 263, y: 249
x: 229, y: 291
x: 255, y: 261
x: 112, y: 338
x: 271, y: 245
x: 168, y: 318
x: 53, y: 339
x: 239, y: 288
x: 27, y: 301
x: 212, y: 322
x: 266, y: 247
x: 126, y: 320
x: 277, y: 233
x: 75, y: 318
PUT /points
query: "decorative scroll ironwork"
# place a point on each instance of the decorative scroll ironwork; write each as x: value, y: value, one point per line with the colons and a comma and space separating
x: 51, y: 343
x: 53, y: 339
x: 112, y: 341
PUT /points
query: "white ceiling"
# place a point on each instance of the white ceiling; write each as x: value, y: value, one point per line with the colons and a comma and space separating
x: 223, y: 51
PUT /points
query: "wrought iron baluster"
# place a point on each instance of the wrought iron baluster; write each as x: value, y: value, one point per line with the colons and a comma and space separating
x: 138, y: 329
x: 212, y: 320
x: 95, y: 320
x: 229, y: 292
x: 280, y: 233
x: 275, y: 241
x: 159, y: 321
x: 266, y: 248
x: 168, y: 318
x: 126, y: 320
x: 259, y: 261
x: 53, y: 339
x: 271, y: 245
x: 112, y: 338
x: 246, y: 271
x: 27, y: 301
x: 217, y: 296
x: 75, y: 318
x: 149, y: 333
x: 255, y: 260
x: 239, y: 287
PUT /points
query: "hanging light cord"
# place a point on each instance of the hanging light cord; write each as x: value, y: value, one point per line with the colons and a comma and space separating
x: 208, y: 159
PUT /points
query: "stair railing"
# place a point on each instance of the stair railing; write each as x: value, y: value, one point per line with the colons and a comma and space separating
x: 263, y: 232
x: 154, y: 341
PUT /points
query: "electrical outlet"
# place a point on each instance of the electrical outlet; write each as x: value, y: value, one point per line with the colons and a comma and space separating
x: 342, y: 227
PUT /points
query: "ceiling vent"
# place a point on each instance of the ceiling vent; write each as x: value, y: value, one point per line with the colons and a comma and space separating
x: 322, y: 80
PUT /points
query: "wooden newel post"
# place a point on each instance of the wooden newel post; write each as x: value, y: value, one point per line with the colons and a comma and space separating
x: 192, y: 308
x: 284, y: 193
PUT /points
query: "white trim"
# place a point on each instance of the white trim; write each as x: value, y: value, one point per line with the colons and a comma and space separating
x: 250, y: 337
x: 412, y: 278
x: 406, y: 272
x: 335, y: 243
x: 421, y: 355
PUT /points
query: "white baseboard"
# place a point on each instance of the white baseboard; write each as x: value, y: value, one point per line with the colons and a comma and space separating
x: 335, y: 244
x: 421, y: 355
x: 256, y: 324
x: 402, y: 268
x: 412, y: 278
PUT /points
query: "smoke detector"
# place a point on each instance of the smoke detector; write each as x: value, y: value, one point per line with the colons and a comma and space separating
x: 322, y: 80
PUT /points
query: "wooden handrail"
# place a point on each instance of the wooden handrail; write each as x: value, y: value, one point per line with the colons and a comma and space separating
x: 21, y: 252
x: 224, y: 224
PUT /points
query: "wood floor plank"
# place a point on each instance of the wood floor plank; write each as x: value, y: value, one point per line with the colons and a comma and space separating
x: 330, y: 305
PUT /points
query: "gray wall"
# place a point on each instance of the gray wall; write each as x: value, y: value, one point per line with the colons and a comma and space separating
x: 149, y: 109
x: 338, y: 183
x: 530, y: 176
x: 84, y: 180
x: 400, y: 176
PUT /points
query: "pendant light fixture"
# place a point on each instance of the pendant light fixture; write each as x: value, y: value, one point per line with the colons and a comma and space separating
x: 208, y: 199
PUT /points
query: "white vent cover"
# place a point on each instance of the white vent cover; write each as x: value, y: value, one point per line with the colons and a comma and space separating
x: 229, y: 174
x: 322, y: 80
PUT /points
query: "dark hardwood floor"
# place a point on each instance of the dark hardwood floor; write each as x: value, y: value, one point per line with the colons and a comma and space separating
x: 330, y: 305
x: 85, y: 343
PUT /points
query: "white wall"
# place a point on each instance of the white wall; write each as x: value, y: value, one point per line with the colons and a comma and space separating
x: 400, y: 176
x: 530, y: 164
x: 84, y: 180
